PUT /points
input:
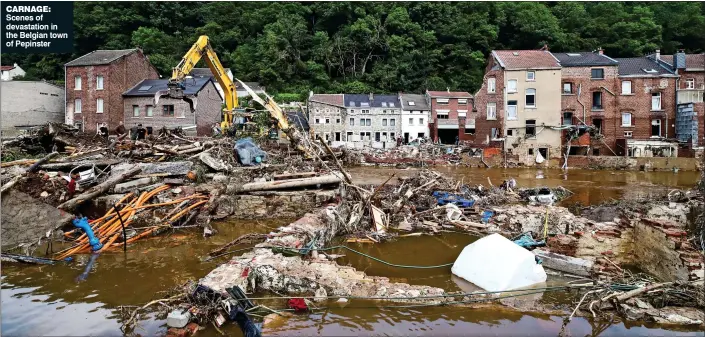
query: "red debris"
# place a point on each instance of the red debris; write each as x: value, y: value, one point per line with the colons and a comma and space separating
x: 298, y: 304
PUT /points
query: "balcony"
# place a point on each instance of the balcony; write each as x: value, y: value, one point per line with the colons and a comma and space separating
x: 690, y: 96
x: 451, y: 121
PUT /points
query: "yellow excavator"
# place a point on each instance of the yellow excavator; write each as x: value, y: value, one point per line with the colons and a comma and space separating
x: 176, y: 89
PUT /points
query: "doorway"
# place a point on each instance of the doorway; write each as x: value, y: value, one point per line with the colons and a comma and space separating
x: 406, y: 137
x: 447, y: 136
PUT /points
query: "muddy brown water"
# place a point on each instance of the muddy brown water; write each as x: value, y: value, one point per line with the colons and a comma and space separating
x: 48, y: 300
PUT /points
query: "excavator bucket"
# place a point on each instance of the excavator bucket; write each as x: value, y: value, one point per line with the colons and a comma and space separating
x: 190, y: 99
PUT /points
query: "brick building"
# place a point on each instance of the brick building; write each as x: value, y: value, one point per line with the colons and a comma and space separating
x: 139, y: 106
x: 589, y: 89
x: 486, y: 130
x: 647, y: 106
x: 449, y: 112
x: 326, y: 116
x: 95, y: 83
x: 690, y: 114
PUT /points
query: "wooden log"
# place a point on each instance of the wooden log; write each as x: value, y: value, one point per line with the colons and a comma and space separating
x: 347, y: 177
x: 194, y: 150
x: 639, y: 291
x: 10, y: 183
x: 18, y: 162
x: 286, y: 176
x: 469, y: 223
x: 281, y: 184
x: 35, y: 166
x: 86, y: 163
x: 97, y: 190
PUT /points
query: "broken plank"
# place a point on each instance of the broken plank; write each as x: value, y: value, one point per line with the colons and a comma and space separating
x: 282, y: 184
x: 97, y: 190
x: 285, y: 176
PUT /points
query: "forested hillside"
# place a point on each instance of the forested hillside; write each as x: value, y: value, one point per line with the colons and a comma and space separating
x: 371, y: 46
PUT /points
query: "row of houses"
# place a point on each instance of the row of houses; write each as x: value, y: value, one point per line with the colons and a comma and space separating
x: 537, y: 102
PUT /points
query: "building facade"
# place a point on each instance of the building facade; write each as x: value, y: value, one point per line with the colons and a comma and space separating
x: 647, y: 106
x: 449, y: 111
x: 139, y: 107
x: 27, y: 104
x: 483, y: 129
x: 532, y: 104
x: 95, y: 83
x: 372, y: 118
x: 326, y: 116
x: 10, y: 72
x: 690, y: 89
x: 589, y: 89
x: 415, y: 116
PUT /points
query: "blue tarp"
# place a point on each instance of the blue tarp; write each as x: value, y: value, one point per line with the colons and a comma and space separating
x: 249, y: 153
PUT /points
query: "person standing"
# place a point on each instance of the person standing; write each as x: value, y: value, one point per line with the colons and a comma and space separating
x: 120, y: 129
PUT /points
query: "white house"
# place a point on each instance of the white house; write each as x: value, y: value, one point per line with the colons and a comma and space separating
x: 415, y: 115
x: 10, y: 72
x: 27, y: 104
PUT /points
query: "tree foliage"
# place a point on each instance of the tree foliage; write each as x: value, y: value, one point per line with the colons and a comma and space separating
x: 358, y: 47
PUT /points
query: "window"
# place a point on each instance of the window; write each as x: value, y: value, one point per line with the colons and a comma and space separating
x: 352, y: 111
x: 442, y: 101
x: 365, y: 111
x: 512, y: 110
x: 597, y: 122
x: 411, y: 103
x: 462, y: 101
x: 411, y: 121
x: 420, y: 121
x: 690, y: 83
x: 135, y: 111
x: 352, y: 121
x: 626, y: 119
x: 491, y: 85
x: 392, y: 122
x: 656, y: 101
x: 597, y: 74
x: 327, y: 120
x: 384, y: 122
x: 469, y: 130
x: 99, y: 82
x: 530, y: 76
x: 368, y: 122
x: 318, y: 121
x: 391, y: 105
x: 77, y: 106
x: 567, y: 88
x: 337, y: 121
x: 512, y: 86
x: 491, y: 111
x: 391, y: 134
x: 510, y: 132
x: 530, y: 128
x: 168, y: 111
x: 378, y: 137
x: 626, y: 87
x: 99, y: 106
x: 384, y: 105
x: 348, y: 136
x: 530, y: 98
x: 567, y: 118
x: 77, y: 83
x: 531, y: 152
x: 150, y: 111
x: 627, y: 134
x: 656, y: 128
x: 495, y: 133
x: 596, y: 100
x: 442, y: 115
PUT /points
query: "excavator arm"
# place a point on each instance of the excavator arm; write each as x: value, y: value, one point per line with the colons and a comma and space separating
x: 176, y: 88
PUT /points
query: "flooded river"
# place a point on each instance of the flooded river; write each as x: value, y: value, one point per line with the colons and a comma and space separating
x: 48, y: 300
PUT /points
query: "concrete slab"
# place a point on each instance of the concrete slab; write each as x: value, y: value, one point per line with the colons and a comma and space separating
x: 566, y: 264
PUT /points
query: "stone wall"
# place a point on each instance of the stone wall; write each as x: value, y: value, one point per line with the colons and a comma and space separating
x: 25, y: 220
x: 279, y: 204
x: 628, y: 163
x: 30, y: 103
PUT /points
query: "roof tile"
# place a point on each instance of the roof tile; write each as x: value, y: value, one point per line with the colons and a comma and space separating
x: 330, y: 99
x: 526, y: 59
x: 98, y: 57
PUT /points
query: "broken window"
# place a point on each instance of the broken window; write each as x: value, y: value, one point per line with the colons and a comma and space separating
x: 656, y: 101
x: 626, y: 87
x: 99, y: 82
x: 491, y: 111
x: 567, y: 118
x: 135, y: 111
x: 77, y: 106
x: 597, y: 122
x: 656, y: 128
x: 99, y: 105
x: 597, y: 74
x: 530, y: 128
x: 690, y: 83
x: 491, y: 85
x: 567, y: 88
x: 530, y: 98
x: 512, y: 86
x: 626, y: 119
x: 168, y: 110
x: 596, y: 100
x: 511, y: 110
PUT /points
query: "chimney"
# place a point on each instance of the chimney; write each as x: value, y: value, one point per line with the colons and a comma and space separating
x: 372, y: 97
x: 448, y: 89
x: 658, y: 54
x: 16, y: 65
x: 679, y: 59
x: 600, y: 51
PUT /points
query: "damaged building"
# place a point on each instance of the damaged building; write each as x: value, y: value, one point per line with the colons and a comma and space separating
x: 139, y: 106
x: 27, y: 104
x: 690, y: 114
x: 449, y: 115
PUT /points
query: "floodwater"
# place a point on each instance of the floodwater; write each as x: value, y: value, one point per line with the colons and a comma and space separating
x: 48, y: 300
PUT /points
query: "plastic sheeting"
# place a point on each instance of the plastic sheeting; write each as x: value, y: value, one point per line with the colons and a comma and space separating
x: 495, y: 263
x: 248, y: 152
